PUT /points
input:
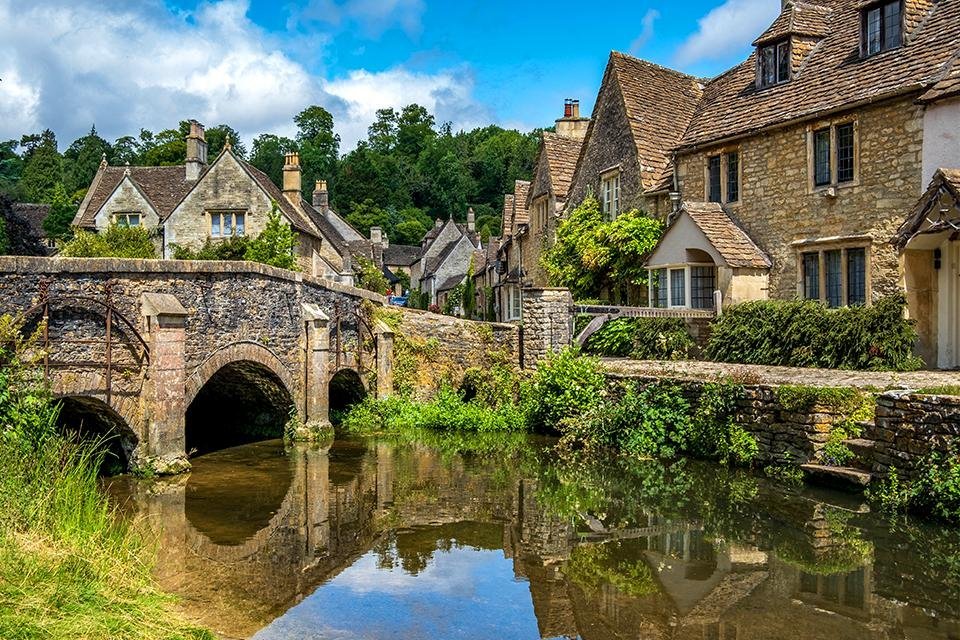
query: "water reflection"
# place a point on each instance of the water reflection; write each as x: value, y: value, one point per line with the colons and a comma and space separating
x: 386, y: 540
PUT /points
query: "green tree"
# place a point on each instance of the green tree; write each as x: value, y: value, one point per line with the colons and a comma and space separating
x: 62, y: 211
x: 82, y: 159
x: 165, y: 149
x: 469, y: 293
x: 365, y: 215
x: 217, y: 138
x: 415, y: 131
x: 319, y: 146
x: 11, y: 166
x: 382, y: 134
x: 126, y: 150
x: 275, y: 244
x: 43, y: 169
x: 268, y: 154
x: 4, y: 238
x: 370, y: 276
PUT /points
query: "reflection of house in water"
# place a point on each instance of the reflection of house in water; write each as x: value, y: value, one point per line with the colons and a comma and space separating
x: 244, y: 540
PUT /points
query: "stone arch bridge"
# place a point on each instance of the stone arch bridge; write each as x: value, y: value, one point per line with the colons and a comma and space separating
x: 138, y: 340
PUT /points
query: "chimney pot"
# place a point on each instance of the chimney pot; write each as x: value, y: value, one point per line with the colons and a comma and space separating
x: 471, y: 220
x: 321, y: 198
x: 575, y: 108
x: 567, y: 108
x: 292, y: 178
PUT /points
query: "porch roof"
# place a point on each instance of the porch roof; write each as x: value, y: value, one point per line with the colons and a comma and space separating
x: 932, y: 213
x: 706, y: 227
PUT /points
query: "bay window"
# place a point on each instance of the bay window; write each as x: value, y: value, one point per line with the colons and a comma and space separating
x: 610, y: 195
x: 691, y: 286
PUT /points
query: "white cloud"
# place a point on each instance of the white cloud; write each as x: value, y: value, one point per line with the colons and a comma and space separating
x: 725, y: 29
x: 646, y: 31
x: 123, y: 66
x: 372, y: 16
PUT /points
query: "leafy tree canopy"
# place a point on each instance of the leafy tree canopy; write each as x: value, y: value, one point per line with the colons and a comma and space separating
x: 274, y: 245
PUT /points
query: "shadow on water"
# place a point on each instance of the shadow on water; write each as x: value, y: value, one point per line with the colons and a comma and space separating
x: 381, y: 539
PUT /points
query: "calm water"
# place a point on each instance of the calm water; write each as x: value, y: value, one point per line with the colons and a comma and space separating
x: 374, y: 539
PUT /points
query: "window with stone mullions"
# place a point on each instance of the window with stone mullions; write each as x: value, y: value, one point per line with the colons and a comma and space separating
x: 811, y: 276
x: 845, y: 152
x: 733, y: 176
x: 856, y: 276
x: 702, y: 284
x: 714, y: 164
x: 821, y: 157
x: 833, y: 278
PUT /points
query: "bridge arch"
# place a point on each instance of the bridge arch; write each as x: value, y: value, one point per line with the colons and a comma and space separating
x: 241, y: 393
x: 90, y: 419
x: 346, y: 388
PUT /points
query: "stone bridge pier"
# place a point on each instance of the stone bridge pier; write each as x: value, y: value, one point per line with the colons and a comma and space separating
x: 175, y: 356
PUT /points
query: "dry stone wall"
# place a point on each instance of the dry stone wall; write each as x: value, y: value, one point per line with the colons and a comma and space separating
x: 910, y: 426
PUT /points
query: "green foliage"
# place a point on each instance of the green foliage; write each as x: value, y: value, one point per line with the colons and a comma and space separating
x: 4, y: 238
x: 642, y: 339
x: 942, y: 390
x: 268, y: 152
x: 714, y: 433
x: 70, y: 567
x: 233, y: 248
x: 565, y: 385
x: 82, y: 159
x: 42, y: 170
x: 490, y: 313
x: 934, y: 492
x: 805, y: 333
x: 11, y: 166
x: 495, y: 386
x: 275, y: 244
x: 787, y: 471
x: 593, y: 567
x: 418, y: 299
x: 62, y: 211
x: 452, y: 305
x: 591, y: 254
x: 115, y: 242
x: 217, y: 139
x: 469, y: 293
x: 801, y: 398
x: 369, y: 276
x: 835, y: 452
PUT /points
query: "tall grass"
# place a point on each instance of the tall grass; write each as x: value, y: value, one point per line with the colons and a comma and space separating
x: 70, y: 567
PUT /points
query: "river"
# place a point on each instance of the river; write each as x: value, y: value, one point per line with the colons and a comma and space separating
x: 371, y: 538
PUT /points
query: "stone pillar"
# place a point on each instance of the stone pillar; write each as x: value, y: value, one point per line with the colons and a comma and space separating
x: 384, y: 359
x: 316, y: 383
x: 163, y: 398
x: 547, y: 323
x: 316, y: 474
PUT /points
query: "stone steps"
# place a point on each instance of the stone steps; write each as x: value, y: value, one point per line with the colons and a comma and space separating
x: 862, y: 449
x: 843, y: 478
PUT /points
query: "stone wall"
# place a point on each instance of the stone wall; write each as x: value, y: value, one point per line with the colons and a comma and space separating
x: 778, y: 206
x: 430, y: 348
x: 909, y: 426
x: 547, y: 323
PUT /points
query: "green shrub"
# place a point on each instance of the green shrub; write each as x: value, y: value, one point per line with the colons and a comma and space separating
x: 642, y: 338
x: 275, y: 244
x: 565, y: 385
x: 805, y: 333
x: 935, y: 492
x: 801, y: 398
x: 234, y: 248
x: 115, y: 242
x: 713, y: 432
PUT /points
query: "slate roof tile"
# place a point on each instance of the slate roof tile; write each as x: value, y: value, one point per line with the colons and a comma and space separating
x: 731, y: 241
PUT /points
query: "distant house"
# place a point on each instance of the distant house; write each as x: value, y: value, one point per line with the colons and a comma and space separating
x: 396, y: 258
x: 444, y: 259
x: 190, y: 204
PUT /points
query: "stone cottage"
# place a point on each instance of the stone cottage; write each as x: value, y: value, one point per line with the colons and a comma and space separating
x: 445, y: 254
x: 814, y: 151
x: 187, y: 205
x: 510, y: 264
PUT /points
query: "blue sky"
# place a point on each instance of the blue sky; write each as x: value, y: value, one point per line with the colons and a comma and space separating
x: 254, y: 63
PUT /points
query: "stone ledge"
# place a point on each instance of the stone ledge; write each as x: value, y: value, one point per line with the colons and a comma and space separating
x: 54, y: 266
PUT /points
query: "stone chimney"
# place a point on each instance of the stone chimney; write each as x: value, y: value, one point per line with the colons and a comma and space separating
x: 571, y: 125
x: 471, y: 220
x: 291, y: 178
x: 196, y: 151
x: 321, y: 198
x: 437, y: 223
x: 376, y: 235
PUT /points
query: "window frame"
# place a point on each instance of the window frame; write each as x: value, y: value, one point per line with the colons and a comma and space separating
x: 610, y: 193
x: 541, y: 206
x: 883, y: 27
x: 126, y: 215
x: 780, y: 60
x: 660, y: 282
x: 514, y: 302
x: 831, y: 128
x: 821, y: 250
x: 236, y: 226
x: 723, y: 157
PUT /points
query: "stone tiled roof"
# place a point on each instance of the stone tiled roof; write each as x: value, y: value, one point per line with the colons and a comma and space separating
x: 450, y: 283
x: 730, y: 241
x: 659, y: 104
x: 561, y: 155
x: 401, y: 255
x: 799, y: 18
x: 944, y: 181
x: 164, y: 187
x: 521, y: 192
x: 506, y: 225
x: 948, y: 87
x: 299, y: 218
x: 832, y: 76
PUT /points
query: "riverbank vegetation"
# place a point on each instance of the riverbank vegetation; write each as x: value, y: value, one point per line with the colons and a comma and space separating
x: 642, y: 339
x: 69, y: 566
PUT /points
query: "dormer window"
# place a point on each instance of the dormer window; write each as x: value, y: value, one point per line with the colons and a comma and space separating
x: 882, y: 27
x: 773, y: 64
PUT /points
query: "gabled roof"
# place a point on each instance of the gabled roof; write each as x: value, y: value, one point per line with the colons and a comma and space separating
x: 506, y: 221
x: 450, y: 283
x: 659, y: 104
x: 833, y: 75
x: 560, y: 153
x: 164, y: 187
x: 923, y: 219
x: 727, y: 238
x: 798, y: 19
x: 401, y: 255
x: 521, y: 193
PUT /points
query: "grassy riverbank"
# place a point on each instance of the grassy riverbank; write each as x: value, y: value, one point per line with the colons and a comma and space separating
x: 69, y: 567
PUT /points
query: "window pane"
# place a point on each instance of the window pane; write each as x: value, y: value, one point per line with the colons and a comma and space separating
x: 228, y: 224
x: 215, y: 224
x: 702, y: 283
x: 821, y: 157
x: 713, y: 164
x: 783, y: 62
x: 834, y: 282
x: 845, y: 152
x: 733, y: 176
x: 856, y: 276
x: 678, y: 287
x: 616, y: 196
x: 133, y: 220
x: 662, y: 288
x: 873, y: 31
x: 240, y: 223
x: 891, y: 25
x: 811, y: 276
x: 768, y: 67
